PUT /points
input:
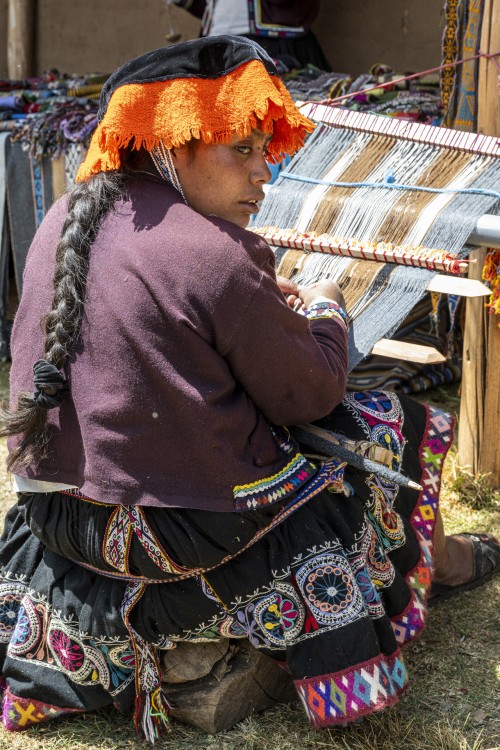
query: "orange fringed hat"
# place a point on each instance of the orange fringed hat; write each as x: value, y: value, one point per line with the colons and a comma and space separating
x: 208, y: 89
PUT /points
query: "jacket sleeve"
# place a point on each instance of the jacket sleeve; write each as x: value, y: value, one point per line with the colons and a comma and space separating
x: 293, y: 369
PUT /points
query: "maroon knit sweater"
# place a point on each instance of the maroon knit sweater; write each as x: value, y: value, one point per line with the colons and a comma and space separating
x: 188, y: 354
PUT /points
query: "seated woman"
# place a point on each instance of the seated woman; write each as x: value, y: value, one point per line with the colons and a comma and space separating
x: 161, y: 496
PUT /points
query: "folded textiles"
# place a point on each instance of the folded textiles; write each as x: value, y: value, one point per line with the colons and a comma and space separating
x: 48, y: 114
x: 416, y: 100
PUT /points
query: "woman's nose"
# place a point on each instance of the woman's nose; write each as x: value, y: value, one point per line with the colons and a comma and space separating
x: 260, y: 172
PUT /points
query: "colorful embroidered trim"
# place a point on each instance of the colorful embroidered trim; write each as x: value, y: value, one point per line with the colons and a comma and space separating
x: 124, y: 520
x: 23, y: 713
x: 439, y: 436
x: 276, y: 487
x: 449, y: 54
x: 151, y: 707
x: 329, y: 476
x: 346, y: 695
x: 260, y: 28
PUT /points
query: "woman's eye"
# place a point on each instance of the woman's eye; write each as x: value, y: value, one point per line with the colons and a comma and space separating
x: 244, y: 149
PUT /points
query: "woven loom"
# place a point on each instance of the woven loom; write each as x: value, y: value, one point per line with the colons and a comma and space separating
x: 410, y: 190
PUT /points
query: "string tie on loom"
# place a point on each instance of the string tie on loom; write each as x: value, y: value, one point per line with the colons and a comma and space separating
x: 334, y: 101
x: 50, y: 386
x: 390, y: 178
x: 388, y: 184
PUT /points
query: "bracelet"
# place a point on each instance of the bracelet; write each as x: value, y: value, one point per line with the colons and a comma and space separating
x: 327, y: 309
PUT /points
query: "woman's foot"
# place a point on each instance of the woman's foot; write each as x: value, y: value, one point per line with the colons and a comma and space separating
x: 469, y: 561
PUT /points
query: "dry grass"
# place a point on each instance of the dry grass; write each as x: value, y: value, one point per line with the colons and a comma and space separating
x: 453, y: 702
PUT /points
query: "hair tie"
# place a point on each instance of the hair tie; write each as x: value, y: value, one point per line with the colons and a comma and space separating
x: 50, y: 386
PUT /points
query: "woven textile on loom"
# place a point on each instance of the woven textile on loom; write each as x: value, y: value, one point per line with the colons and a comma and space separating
x: 352, y: 149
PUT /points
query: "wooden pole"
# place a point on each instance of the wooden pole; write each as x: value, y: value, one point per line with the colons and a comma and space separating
x: 479, y: 436
x: 471, y: 422
x: 20, y: 42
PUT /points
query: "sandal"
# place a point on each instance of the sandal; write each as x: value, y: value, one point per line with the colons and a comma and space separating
x: 486, y: 565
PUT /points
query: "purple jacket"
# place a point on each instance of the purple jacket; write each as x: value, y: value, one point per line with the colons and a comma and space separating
x: 188, y: 356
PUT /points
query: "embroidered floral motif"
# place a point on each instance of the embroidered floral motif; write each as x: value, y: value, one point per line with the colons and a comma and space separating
x: 43, y: 638
x: 387, y: 524
x: 379, y: 566
x: 371, y: 598
x: 391, y: 440
x: 243, y: 625
x: 316, y: 589
x: 280, y: 615
x: 376, y: 404
x: 68, y: 652
x: 330, y: 590
x: 28, y: 628
x: 112, y: 666
x: 10, y: 602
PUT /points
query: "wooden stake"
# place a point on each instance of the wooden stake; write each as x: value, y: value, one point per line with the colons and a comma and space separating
x: 408, y: 351
x: 471, y: 420
x: 58, y: 177
x: 20, y: 41
x: 456, y: 285
x: 478, y: 437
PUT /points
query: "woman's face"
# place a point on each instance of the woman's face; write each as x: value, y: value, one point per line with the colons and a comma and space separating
x: 226, y: 179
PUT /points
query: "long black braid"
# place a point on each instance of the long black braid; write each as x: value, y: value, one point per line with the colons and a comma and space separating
x: 88, y: 204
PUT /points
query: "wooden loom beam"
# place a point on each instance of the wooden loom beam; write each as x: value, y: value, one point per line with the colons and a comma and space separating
x: 478, y: 437
x: 20, y: 41
x: 392, y: 348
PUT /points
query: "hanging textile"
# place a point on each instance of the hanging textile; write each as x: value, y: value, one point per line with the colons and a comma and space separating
x: 461, y: 40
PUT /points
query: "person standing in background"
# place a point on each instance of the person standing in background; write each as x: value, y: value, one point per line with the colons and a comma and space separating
x: 282, y: 27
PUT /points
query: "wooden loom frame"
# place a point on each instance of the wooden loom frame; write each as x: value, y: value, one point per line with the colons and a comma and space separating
x: 478, y: 441
x: 386, y: 252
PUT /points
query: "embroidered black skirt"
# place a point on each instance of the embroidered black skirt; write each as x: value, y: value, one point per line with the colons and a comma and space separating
x: 90, y: 593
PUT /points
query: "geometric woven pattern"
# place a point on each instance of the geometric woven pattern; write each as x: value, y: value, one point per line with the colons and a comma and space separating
x: 432, y: 454
x: 22, y: 713
x: 345, y: 696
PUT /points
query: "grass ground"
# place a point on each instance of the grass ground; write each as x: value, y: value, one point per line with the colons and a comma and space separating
x: 453, y: 702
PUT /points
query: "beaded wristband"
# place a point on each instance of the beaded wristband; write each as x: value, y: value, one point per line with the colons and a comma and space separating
x: 327, y: 309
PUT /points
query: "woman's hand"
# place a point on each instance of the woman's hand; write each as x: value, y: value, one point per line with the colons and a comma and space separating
x: 327, y: 289
x: 298, y: 298
x: 290, y: 290
x: 287, y: 286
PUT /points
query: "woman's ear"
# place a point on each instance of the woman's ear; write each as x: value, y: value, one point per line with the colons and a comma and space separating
x: 180, y: 156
